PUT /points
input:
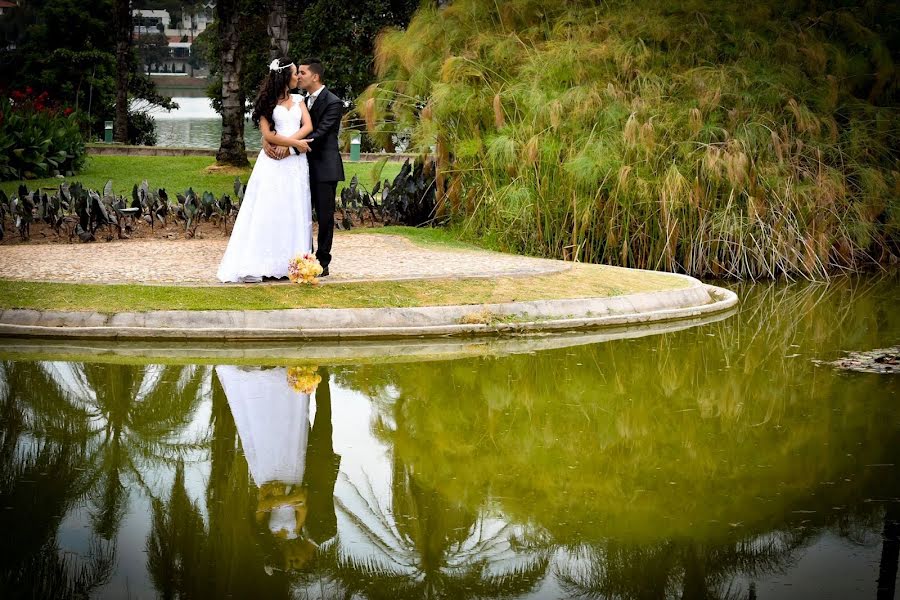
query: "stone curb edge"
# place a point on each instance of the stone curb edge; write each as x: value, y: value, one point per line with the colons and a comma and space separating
x: 343, y: 324
x: 335, y: 352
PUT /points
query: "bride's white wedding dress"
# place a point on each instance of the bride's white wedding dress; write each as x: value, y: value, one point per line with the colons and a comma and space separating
x: 272, y: 421
x: 274, y: 223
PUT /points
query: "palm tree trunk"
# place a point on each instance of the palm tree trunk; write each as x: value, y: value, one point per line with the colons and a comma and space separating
x: 694, y: 582
x: 122, y: 26
x: 231, y: 147
x: 277, y: 27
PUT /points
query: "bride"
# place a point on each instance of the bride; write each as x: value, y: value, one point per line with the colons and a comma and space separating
x: 274, y: 223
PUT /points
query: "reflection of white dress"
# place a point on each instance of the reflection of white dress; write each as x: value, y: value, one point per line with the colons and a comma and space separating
x: 274, y: 223
x: 272, y: 421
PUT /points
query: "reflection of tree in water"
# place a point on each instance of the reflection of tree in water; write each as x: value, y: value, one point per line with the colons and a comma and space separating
x: 425, y: 546
x: 692, y: 446
x: 91, y: 430
x: 177, y: 545
x: 132, y: 415
x: 687, y: 568
x: 671, y: 569
x: 43, y: 476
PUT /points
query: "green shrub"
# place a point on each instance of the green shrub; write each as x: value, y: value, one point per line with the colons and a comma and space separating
x: 37, y: 140
x: 141, y: 128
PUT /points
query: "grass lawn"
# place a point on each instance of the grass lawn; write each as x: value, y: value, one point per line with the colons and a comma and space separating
x: 583, y: 281
x: 176, y: 174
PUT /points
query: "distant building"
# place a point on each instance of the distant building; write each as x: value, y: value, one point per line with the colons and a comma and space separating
x: 6, y: 7
x: 149, y: 21
x: 196, y: 23
x: 179, y: 34
x: 191, y: 24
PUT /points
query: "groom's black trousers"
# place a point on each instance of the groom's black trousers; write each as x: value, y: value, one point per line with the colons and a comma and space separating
x: 322, y: 195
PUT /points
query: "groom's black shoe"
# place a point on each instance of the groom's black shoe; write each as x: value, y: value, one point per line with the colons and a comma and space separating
x: 324, y: 272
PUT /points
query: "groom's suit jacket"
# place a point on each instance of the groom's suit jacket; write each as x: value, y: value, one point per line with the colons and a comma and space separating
x: 324, y: 156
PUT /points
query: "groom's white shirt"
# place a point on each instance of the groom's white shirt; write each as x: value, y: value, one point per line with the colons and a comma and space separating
x: 311, y: 99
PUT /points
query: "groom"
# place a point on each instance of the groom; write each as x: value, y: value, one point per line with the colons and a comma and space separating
x: 323, y: 155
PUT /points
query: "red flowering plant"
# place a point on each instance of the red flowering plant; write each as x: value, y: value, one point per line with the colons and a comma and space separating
x: 38, y: 138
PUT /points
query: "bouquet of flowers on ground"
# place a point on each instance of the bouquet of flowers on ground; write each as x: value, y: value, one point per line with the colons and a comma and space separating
x: 304, y: 379
x: 304, y: 268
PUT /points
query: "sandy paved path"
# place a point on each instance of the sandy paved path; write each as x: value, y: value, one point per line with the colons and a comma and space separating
x: 355, y: 257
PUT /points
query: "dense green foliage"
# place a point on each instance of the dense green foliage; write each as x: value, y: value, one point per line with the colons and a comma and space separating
x: 37, y: 140
x: 710, y: 138
x: 67, y: 47
x: 341, y: 34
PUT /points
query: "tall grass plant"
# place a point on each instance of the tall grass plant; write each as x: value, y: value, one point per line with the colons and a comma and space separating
x: 749, y: 141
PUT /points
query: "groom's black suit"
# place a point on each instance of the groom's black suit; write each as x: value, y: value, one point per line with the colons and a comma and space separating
x: 325, y: 167
x: 322, y: 466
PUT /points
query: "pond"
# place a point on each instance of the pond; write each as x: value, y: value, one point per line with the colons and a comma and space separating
x: 194, y: 124
x: 718, y: 461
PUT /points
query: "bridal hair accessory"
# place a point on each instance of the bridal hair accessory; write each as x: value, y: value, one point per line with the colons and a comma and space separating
x: 273, y: 66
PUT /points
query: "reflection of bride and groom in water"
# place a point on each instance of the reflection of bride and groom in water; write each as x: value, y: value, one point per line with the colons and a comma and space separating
x: 290, y: 456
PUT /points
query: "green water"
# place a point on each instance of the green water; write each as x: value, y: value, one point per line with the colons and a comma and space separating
x: 718, y: 461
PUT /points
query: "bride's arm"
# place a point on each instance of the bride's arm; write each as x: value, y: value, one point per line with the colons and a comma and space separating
x: 304, y: 130
x: 307, y: 124
x: 276, y: 139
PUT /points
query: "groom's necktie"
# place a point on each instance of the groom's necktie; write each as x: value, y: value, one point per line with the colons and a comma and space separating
x: 309, y: 101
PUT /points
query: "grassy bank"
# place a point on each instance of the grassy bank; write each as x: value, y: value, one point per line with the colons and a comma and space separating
x: 583, y: 281
x: 175, y: 173
x: 704, y: 137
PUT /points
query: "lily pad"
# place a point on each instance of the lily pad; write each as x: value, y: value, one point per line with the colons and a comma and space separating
x: 882, y: 360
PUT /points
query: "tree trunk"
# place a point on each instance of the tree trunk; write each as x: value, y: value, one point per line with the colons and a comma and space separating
x: 277, y: 27
x: 122, y: 26
x: 231, y: 147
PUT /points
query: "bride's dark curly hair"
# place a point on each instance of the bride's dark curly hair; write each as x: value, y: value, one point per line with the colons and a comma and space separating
x: 271, y: 92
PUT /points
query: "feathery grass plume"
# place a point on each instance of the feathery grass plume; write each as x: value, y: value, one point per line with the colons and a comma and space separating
x: 530, y: 152
x: 499, y: 119
x: 387, y: 46
x: 501, y: 152
x: 736, y: 165
x: 555, y: 113
x: 369, y: 111
x: 703, y: 137
x: 696, y: 120
x: 459, y: 69
x: 632, y: 131
x: 648, y: 137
